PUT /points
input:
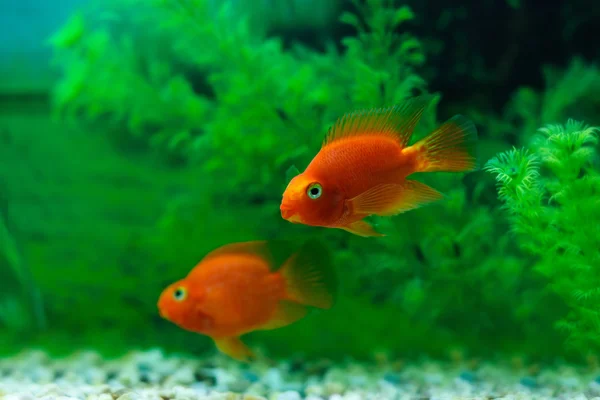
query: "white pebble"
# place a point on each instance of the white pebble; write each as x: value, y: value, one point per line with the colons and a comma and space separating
x: 289, y: 395
x: 183, y: 376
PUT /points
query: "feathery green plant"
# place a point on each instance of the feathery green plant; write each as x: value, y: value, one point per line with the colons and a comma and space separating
x: 568, y: 93
x: 226, y: 95
x: 552, y: 193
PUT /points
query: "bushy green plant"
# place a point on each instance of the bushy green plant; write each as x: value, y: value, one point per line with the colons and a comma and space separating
x: 207, y: 87
x: 227, y: 96
x: 568, y: 93
x: 551, y: 190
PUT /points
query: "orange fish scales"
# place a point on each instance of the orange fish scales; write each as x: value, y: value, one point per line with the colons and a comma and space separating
x: 357, y: 163
x: 363, y: 166
x: 237, y: 289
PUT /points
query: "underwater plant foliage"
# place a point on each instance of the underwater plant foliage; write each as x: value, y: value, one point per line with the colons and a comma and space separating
x: 204, y: 115
x: 551, y: 192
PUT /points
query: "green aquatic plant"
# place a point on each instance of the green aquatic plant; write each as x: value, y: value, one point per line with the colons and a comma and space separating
x: 569, y: 92
x: 380, y: 61
x: 448, y: 263
x: 155, y: 105
x: 236, y: 107
x: 21, y: 308
x: 551, y: 191
x: 241, y: 99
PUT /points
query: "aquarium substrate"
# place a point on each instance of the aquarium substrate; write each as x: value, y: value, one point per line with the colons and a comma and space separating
x: 155, y: 375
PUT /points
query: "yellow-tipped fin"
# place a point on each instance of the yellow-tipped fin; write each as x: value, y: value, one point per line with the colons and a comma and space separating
x: 362, y: 228
x: 310, y: 277
x: 392, y: 199
x: 286, y: 313
x: 450, y: 148
x: 234, y: 348
x: 397, y: 122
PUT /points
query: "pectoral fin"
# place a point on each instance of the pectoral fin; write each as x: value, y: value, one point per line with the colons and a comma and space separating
x: 234, y: 348
x: 392, y: 199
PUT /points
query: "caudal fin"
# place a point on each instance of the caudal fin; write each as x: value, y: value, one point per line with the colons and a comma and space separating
x: 310, y: 276
x: 450, y: 148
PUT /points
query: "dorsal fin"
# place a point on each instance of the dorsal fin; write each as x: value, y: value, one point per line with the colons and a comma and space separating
x: 275, y: 252
x: 397, y: 121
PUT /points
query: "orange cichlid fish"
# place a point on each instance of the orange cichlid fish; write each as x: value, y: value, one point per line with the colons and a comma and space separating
x: 363, y: 165
x: 248, y: 286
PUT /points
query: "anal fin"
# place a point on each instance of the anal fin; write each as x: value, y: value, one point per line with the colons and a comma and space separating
x: 361, y: 228
x: 234, y: 348
x: 285, y: 314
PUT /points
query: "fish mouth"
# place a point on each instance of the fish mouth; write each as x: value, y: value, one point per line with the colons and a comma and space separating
x: 162, y: 309
x: 164, y: 314
x: 289, y: 214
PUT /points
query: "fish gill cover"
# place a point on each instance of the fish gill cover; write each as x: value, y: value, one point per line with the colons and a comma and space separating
x: 206, y: 110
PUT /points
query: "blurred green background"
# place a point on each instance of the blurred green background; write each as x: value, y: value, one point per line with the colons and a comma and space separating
x: 166, y: 127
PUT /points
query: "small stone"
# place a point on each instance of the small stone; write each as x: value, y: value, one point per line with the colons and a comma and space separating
x: 392, y: 378
x: 289, y: 395
x: 183, y: 376
x: 433, y: 378
x: 223, y: 378
x: 250, y: 376
x: 95, y: 376
x: 273, y: 379
x: 314, y: 390
x: 332, y: 388
x: 257, y: 389
x: 319, y: 368
x: 239, y: 386
x: 224, y: 396
x: 569, y: 382
x: 468, y: 376
x: 19, y: 397
x: 528, y: 382
x: 594, y: 387
x: 120, y: 392
x: 182, y: 392
x: 127, y: 396
x: 253, y: 397
x: 206, y: 376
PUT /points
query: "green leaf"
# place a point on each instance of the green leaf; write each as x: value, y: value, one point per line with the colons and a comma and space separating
x: 403, y: 14
x: 350, y: 19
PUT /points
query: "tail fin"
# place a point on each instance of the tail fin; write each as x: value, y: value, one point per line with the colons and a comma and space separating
x: 449, y: 148
x: 310, y: 277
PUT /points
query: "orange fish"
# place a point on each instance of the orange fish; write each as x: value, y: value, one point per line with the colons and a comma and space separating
x: 243, y: 287
x: 364, y: 162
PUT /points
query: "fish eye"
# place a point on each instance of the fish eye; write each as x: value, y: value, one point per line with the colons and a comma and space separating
x: 180, y: 294
x: 314, y: 191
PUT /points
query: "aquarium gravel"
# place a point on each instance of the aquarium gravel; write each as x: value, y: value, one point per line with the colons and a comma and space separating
x: 154, y: 375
